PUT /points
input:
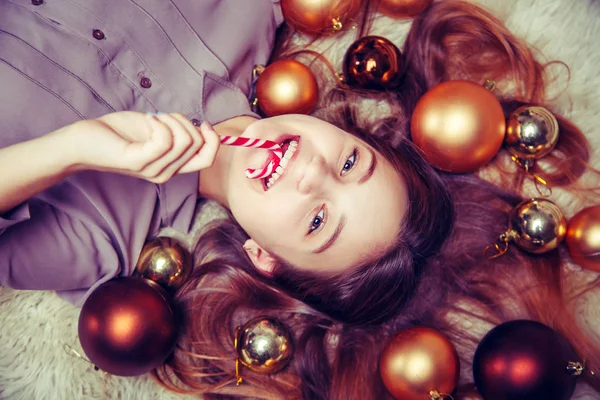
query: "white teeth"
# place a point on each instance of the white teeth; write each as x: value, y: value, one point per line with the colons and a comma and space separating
x: 283, y: 163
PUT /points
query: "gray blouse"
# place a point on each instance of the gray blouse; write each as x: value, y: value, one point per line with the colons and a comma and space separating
x: 65, y: 60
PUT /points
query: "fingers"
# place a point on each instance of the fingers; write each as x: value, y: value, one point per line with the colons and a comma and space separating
x: 208, y: 152
x: 186, y: 141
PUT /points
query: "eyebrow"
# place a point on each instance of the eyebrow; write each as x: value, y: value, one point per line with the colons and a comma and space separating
x: 333, y: 237
x: 371, y: 170
x: 343, y: 219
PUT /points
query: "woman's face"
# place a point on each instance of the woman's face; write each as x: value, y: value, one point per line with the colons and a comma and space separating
x: 336, y: 203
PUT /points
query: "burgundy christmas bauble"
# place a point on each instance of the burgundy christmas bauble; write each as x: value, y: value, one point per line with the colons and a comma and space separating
x: 524, y: 360
x: 372, y: 62
x: 127, y: 326
x: 287, y: 87
x: 319, y: 16
x: 458, y: 125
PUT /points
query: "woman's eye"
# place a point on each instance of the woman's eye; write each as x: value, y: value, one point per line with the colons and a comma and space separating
x: 350, y: 162
x: 317, y: 221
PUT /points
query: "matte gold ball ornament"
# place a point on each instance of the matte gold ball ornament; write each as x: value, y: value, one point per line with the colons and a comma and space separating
x: 166, y: 262
x: 583, y: 238
x: 372, y: 62
x: 264, y: 345
x: 536, y: 226
x: 459, y: 126
x: 319, y: 16
x: 286, y: 87
x: 403, y: 8
x: 419, y: 363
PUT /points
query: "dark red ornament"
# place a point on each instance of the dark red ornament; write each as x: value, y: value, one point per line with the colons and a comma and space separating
x: 127, y: 326
x: 372, y: 62
x: 525, y: 360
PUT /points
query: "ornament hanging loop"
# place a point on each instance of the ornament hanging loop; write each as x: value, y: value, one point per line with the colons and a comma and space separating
x: 490, y: 85
x: 257, y: 70
x: 337, y: 24
x: 75, y: 354
x: 499, y: 248
x: 575, y: 368
x: 435, y: 395
x: 541, y: 185
x: 238, y: 377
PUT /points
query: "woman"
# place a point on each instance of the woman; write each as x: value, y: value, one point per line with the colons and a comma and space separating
x: 341, y: 322
x: 344, y: 311
x: 63, y: 215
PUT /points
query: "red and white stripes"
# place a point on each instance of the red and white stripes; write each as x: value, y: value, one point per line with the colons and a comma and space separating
x: 274, y: 149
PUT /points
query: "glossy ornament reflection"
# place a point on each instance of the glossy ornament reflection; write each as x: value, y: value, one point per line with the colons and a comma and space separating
x: 166, y: 262
x: 403, y: 8
x: 319, y: 16
x: 531, y: 132
x: 583, y: 238
x: 127, y: 326
x: 523, y: 360
x: 286, y: 87
x: 459, y: 126
x: 264, y: 345
x: 536, y: 225
x: 419, y: 363
x: 372, y: 62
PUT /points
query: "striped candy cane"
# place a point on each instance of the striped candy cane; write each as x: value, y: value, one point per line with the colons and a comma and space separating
x: 274, y: 150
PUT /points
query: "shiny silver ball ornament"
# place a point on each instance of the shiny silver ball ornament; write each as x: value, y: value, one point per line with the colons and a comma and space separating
x: 165, y: 261
x: 536, y: 226
x: 531, y: 132
x: 263, y: 345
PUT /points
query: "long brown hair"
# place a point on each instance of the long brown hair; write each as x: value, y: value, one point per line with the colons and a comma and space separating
x: 436, y: 275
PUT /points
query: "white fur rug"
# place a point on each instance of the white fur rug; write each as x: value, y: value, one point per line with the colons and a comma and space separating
x: 35, y: 326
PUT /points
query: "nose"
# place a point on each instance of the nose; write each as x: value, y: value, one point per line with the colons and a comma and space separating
x: 314, y: 175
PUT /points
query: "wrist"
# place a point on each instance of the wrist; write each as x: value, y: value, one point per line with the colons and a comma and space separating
x: 65, y: 145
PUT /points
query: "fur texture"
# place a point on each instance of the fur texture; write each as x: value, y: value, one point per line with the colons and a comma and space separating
x: 36, y: 326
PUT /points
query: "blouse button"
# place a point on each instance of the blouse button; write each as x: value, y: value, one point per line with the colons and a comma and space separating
x: 146, y: 83
x: 196, y: 122
x: 98, y: 34
x: 37, y: 2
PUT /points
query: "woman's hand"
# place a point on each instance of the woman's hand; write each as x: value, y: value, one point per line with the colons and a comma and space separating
x: 152, y: 147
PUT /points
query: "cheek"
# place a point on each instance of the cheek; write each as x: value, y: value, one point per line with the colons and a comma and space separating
x: 266, y: 222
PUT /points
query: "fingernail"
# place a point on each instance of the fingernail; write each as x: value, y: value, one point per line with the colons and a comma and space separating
x: 151, y: 114
x: 206, y: 125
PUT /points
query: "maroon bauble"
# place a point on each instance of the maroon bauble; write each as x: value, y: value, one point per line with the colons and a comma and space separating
x: 524, y: 360
x: 127, y: 326
x: 372, y: 62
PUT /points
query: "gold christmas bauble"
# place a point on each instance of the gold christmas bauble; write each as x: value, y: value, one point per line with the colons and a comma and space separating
x: 319, y: 16
x: 165, y: 261
x: 419, y: 363
x: 287, y: 87
x: 583, y: 238
x: 537, y: 226
x: 531, y: 132
x: 458, y: 125
x: 264, y: 345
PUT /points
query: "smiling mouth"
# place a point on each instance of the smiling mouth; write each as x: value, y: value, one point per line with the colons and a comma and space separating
x: 288, y: 147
